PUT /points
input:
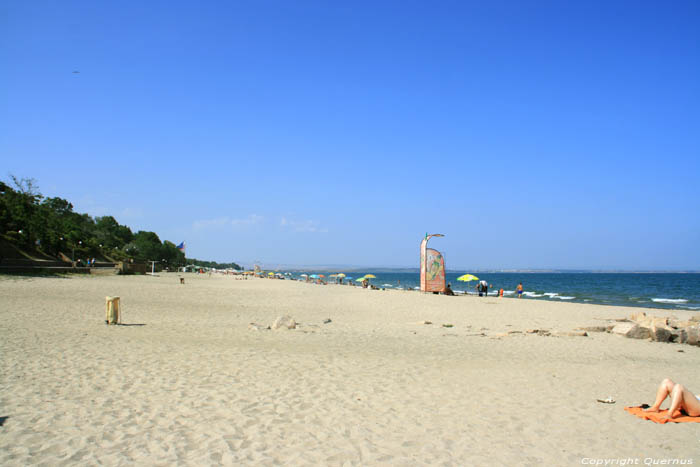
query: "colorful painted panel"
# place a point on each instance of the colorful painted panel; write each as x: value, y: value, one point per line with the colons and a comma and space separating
x: 434, y: 271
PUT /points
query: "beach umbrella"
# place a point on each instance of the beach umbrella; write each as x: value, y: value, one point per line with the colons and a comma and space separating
x: 304, y: 275
x: 321, y: 275
x: 348, y: 278
x: 467, y: 278
x: 340, y: 274
x: 314, y: 276
x: 270, y: 273
x: 359, y: 279
x: 370, y: 276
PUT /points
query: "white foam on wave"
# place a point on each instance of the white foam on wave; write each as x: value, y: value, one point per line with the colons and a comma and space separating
x: 669, y: 300
x: 533, y: 294
x: 387, y: 285
x: 508, y: 292
x: 556, y: 295
x: 688, y: 307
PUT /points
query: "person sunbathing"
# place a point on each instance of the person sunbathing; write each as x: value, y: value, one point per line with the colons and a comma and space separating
x: 681, y: 398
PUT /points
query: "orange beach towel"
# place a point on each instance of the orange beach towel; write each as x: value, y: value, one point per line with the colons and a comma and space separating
x: 658, y: 417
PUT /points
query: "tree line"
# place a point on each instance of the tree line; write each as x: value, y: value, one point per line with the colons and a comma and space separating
x: 49, y: 226
x: 213, y: 264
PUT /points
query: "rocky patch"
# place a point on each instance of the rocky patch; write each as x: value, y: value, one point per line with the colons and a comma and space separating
x: 641, y: 326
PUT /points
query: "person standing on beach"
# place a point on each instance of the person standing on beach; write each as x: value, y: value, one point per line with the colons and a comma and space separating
x: 483, y: 287
x: 519, y: 290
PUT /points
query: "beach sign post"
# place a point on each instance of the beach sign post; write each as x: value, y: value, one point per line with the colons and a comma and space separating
x: 432, y: 267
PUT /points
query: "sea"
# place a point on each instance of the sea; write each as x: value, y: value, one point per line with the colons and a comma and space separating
x: 674, y: 291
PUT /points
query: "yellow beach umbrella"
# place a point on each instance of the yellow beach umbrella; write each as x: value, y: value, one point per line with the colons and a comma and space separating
x: 340, y: 274
x: 467, y: 278
x: 270, y: 273
x: 370, y: 276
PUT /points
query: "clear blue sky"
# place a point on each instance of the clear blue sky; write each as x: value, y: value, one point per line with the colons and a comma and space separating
x: 532, y: 134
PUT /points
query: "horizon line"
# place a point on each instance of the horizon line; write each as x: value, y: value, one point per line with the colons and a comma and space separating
x: 340, y: 268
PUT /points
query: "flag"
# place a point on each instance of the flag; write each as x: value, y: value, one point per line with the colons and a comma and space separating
x: 181, y: 247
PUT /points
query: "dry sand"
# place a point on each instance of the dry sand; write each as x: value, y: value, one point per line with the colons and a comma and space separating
x: 187, y: 383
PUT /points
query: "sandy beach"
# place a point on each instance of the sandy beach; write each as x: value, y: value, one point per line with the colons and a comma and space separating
x: 187, y: 382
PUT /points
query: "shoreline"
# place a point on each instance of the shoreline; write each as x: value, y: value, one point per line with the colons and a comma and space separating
x: 565, y: 293
x: 188, y: 382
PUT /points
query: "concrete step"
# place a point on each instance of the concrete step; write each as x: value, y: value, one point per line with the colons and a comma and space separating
x: 39, y: 270
x: 33, y: 263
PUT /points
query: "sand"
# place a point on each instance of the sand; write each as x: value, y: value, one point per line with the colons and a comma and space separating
x: 188, y: 383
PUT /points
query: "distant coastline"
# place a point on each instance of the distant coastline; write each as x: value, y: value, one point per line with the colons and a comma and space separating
x: 346, y: 269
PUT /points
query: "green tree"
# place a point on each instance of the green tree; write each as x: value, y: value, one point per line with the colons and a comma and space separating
x: 18, y: 212
x: 147, y: 246
x: 171, y: 256
x: 110, y: 234
x: 50, y: 226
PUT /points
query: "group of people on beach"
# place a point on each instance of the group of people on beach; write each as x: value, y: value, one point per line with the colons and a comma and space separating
x: 483, y: 289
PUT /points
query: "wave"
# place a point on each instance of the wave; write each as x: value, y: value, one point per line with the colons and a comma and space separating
x: 669, y: 300
x: 387, y: 285
x: 556, y: 295
x: 688, y: 307
x: 532, y: 294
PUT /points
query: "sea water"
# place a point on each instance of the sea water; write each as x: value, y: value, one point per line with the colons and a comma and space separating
x: 650, y: 290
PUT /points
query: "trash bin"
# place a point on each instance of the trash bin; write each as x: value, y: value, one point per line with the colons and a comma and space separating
x: 112, y: 309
